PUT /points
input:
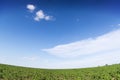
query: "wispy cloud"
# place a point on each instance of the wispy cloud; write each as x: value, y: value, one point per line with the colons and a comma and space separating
x: 34, y: 61
x: 104, y: 43
x: 32, y: 58
x: 31, y: 7
x: 111, y: 57
x: 118, y: 25
x: 41, y: 15
x: 3, y: 59
x: 48, y: 18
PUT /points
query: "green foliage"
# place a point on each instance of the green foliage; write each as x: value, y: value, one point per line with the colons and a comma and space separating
x: 109, y: 72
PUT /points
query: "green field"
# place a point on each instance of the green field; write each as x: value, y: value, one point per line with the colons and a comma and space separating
x: 108, y: 72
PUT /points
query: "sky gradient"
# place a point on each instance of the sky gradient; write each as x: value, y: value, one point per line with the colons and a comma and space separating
x: 59, y: 33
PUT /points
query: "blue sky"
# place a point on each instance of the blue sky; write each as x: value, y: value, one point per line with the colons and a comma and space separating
x: 59, y: 33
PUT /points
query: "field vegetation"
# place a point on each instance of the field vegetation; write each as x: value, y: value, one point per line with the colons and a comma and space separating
x: 108, y: 72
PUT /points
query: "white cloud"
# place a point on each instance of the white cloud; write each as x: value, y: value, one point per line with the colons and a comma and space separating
x: 115, y: 25
x: 111, y: 57
x: 41, y: 15
x: 31, y: 7
x: 105, y: 43
x: 38, y: 61
x: 118, y: 24
x: 48, y: 18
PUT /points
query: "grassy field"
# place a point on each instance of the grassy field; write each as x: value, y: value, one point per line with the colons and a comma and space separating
x: 108, y: 72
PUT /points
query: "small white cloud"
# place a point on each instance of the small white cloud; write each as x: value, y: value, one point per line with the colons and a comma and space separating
x: 118, y: 24
x: 48, y: 18
x: 31, y: 7
x: 105, y: 43
x: 40, y: 15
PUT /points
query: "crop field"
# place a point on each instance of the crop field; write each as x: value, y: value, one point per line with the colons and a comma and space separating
x: 108, y: 72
